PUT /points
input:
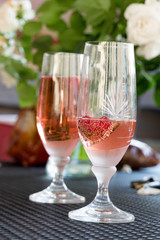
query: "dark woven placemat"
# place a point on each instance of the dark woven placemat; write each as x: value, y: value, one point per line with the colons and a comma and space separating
x: 22, y: 219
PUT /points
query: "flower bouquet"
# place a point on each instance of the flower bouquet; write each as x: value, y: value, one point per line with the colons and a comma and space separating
x: 65, y: 26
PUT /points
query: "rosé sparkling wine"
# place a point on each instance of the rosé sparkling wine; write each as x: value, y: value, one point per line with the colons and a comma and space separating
x: 106, y: 121
x: 58, y: 132
x: 55, y: 141
x: 57, y: 121
x: 104, y: 140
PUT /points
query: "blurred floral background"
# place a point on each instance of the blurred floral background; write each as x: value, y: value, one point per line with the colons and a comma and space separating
x: 65, y: 25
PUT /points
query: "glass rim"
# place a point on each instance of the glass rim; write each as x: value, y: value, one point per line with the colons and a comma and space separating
x: 62, y: 53
x: 110, y: 43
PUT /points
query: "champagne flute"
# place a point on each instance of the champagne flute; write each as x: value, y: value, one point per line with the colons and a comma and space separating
x: 106, y: 120
x: 56, y: 120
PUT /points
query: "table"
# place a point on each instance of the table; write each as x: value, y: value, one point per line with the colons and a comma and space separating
x: 22, y: 219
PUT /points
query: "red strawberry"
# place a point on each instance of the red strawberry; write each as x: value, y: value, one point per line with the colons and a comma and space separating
x: 95, y: 129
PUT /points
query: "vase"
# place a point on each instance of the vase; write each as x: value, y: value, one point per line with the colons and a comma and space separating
x: 6, y: 126
x: 25, y: 145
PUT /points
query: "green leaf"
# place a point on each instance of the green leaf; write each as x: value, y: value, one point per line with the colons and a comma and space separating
x: 19, y: 70
x: 56, y: 48
x: 49, y: 12
x: 105, y: 4
x: 95, y: 11
x: 32, y: 28
x: 104, y: 28
x: 45, y: 6
x: 28, y: 53
x: 59, y: 26
x: 70, y: 40
x: 157, y: 90
x: 25, y: 40
x: 157, y: 96
x: 37, y: 58
x: 157, y: 76
x: 66, y: 4
x: 77, y: 22
x: 8, y: 65
x: 3, y: 59
x: 27, y: 74
x: 50, y: 18
x: 54, y: 7
x: 152, y: 65
x: 11, y: 70
x: 43, y: 43
x: 26, y: 47
x: 27, y: 94
x: 145, y: 81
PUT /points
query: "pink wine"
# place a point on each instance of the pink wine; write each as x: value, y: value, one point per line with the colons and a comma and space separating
x: 104, y: 140
x: 56, y: 116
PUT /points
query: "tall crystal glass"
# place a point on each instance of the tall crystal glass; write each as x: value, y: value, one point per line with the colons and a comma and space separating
x: 106, y: 120
x: 56, y: 120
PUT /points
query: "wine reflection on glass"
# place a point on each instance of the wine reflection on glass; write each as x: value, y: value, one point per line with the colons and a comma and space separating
x: 56, y: 120
x: 106, y: 120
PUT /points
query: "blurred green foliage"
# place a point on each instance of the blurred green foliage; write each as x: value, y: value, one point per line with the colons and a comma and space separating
x: 88, y: 20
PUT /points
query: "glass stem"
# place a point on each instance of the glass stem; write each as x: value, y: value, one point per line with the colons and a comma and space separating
x: 103, y: 176
x: 58, y: 164
x: 102, y: 194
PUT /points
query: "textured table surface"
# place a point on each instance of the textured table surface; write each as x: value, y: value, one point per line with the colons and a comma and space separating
x: 22, y: 219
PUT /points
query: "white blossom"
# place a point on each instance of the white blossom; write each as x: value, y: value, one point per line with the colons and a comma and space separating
x: 150, y: 50
x: 8, y: 21
x: 143, y: 27
x: 26, y: 6
x: 7, y: 47
x: 9, y: 12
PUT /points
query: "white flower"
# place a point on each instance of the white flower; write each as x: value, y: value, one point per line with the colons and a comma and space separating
x: 9, y: 12
x: 150, y: 50
x: 153, y: 3
x: 7, y: 48
x: 143, y: 27
x: 25, y: 6
x: 143, y: 24
x: 7, y: 79
x: 8, y: 21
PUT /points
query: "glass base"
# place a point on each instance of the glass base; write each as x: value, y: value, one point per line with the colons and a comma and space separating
x: 56, y: 194
x: 101, y: 214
